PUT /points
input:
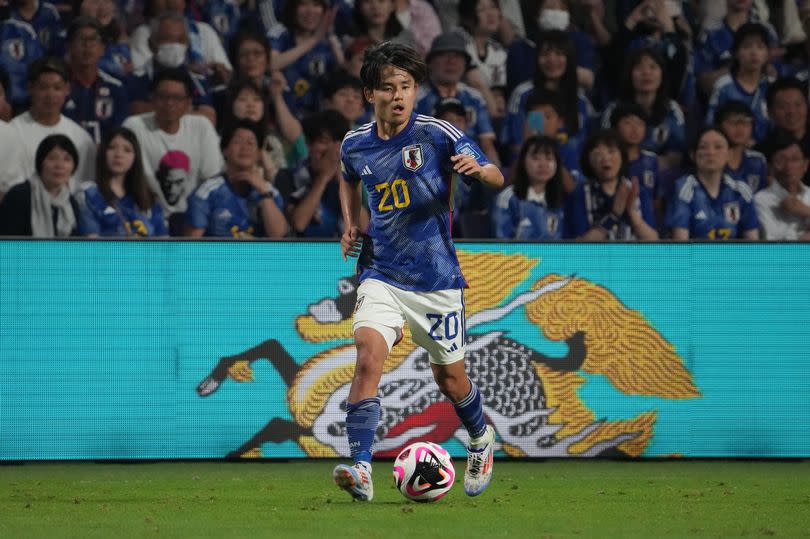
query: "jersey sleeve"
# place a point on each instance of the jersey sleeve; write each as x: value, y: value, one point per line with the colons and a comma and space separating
x: 347, y: 171
x: 466, y: 146
x: 503, y: 222
x: 198, y: 213
x: 679, y: 213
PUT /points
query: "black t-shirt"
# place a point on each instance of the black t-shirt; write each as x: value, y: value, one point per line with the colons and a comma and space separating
x: 15, y: 212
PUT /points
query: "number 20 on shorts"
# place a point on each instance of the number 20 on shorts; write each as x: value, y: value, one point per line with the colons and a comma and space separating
x: 445, y: 327
x: 394, y: 195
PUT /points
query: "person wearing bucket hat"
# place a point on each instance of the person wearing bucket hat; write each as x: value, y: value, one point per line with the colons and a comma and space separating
x: 447, y: 62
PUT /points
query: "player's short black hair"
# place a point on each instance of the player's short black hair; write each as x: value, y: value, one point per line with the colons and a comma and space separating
x: 779, y: 140
x: 732, y: 108
x: 625, y: 109
x: 785, y: 83
x: 327, y: 122
x: 175, y: 74
x: 393, y: 54
x: 542, y: 97
x: 606, y: 137
x: 233, y: 126
x: 338, y: 80
x: 51, y: 142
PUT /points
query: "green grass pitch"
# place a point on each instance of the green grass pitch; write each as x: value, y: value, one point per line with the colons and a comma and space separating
x: 556, y: 498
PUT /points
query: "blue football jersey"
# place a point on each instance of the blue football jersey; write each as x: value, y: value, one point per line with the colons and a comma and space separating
x: 124, y: 218
x: 668, y: 135
x: 99, y: 108
x: 645, y: 170
x: 725, y: 217
x: 116, y: 56
x: 714, y: 46
x: 19, y: 47
x: 327, y: 222
x: 529, y: 219
x: 478, y: 120
x: 303, y: 74
x: 728, y: 89
x: 47, y: 23
x: 589, y: 203
x: 410, y: 184
x: 215, y: 207
x: 753, y: 171
x: 224, y: 16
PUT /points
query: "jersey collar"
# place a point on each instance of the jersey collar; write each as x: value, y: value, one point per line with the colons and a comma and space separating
x: 396, y: 138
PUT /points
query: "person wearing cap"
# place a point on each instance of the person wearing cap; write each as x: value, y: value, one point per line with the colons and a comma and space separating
x: 744, y: 164
x: 48, y: 86
x: 98, y: 101
x: 447, y: 62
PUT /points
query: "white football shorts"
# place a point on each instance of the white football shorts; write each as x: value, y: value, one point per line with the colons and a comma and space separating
x: 436, y: 319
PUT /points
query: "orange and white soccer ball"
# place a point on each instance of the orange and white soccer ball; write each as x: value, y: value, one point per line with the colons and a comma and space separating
x: 424, y: 472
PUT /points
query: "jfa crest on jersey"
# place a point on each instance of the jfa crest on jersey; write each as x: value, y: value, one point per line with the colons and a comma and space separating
x: 723, y: 217
x: 410, y: 183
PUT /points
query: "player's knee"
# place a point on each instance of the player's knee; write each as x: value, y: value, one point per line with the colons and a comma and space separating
x: 453, y: 387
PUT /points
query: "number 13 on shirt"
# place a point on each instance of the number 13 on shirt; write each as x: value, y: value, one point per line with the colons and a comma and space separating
x: 394, y: 195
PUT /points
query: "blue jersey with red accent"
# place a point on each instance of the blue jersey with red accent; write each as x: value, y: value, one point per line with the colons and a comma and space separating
x: 526, y: 219
x: 727, y: 216
x: 98, y: 108
x: 753, y: 170
x: 303, y: 74
x: 19, y: 47
x: 47, y: 23
x: 121, y: 218
x: 410, y: 183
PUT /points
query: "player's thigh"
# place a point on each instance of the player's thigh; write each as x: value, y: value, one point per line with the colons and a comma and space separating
x: 437, y: 324
x: 377, y: 309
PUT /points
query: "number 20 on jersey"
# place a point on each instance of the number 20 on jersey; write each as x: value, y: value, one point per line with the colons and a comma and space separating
x: 394, y: 194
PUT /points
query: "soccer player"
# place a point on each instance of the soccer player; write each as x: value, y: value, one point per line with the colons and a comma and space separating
x: 407, y: 266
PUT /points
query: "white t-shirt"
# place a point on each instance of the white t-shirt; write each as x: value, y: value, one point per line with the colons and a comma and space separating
x: 27, y: 134
x: 176, y: 164
x: 10, y: 171
x: 493, y: 65
x: 775, y: 223
x: 212, y: 49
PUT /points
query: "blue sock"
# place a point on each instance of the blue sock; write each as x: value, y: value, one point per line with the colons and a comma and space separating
x: 471, y: 413
x: 362, y: 419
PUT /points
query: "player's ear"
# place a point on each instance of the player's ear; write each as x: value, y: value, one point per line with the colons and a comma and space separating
x: 368, y: 93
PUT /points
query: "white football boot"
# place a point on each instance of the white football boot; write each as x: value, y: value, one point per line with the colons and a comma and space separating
x: 356, y: 480
x: 479, y: 463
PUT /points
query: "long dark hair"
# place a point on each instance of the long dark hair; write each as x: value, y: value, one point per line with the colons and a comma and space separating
x: 569, y: 87
x: 554, y: 188
x: 604, y: 137
x: 240, y: 38
x: 392, y: 26
x: 627, y: 92
x: 234, y: 89
x: 134, y: 181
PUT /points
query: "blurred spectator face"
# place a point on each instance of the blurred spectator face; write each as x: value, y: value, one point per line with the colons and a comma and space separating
x: 459, y: 121
x: 120, y: 156
x: 499, y: 96
x: 376, y: 12
x: 252, y: 60
x: 489, y: 17
x: 173, y: 5
x: 323, y: 151
x: 711, y: 155
x: 552, y: 62
x: 540, y: 166
x: 248, y: 105
x: 554, y: 15
x: 171, y: 101
x: 752, y: 54
x: 447, y: 67
x: 57, y: 168
x: 170, y: 43
x: 101, y: 10
x: 48, y: 94
x: 739, y: 5
x: 308, y: 15
x: 738, y: 128
x: 552, y: 122
x: 349, y: 102
x: 631, y: 130
x: 789, y: 110
x: 646, y: 75
x: 86, y: 48
x: 606, y: 162
x: 789, y: 165
x: 242, y: 152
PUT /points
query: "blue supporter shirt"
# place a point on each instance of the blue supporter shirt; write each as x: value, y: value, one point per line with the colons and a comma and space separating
x: 327, y: 222
x: 224, y: 16
x: 410, y: 183
x: 668, y: 136
x: 529, y: 219
x: 645, y: 170
x: 721, y: 218
x: 215, y: 207
x: 478, y: 120
x: 728, y: 89
x: 19, y: 47
x: 47, y: 24
x: 753, y: 171
x: 122, y: 218
x: 589, y: 203
x: 116, y: 56
x: 714, y: 46
x: 98, y: 108
x: 303, y: 74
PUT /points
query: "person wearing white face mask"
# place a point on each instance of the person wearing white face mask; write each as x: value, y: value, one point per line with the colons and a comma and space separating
x: 169, y: 41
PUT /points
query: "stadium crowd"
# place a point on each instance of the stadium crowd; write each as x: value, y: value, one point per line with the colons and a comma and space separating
x: 611, y: 119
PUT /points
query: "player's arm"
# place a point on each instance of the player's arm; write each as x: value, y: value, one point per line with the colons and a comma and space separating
x: 350, y: 202
x: 488, y: 174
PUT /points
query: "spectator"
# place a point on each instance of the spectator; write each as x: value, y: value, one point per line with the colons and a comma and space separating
x: 532, y: 207
x: 42, y: 205
x: 225, y: 17
x: 447, y: 62
x: 6, y: 112
x: 377, y: 20
x: 120, y: 202
x: 117, y: 57
x: 44, y: 18
x: 354, y: 55
x: 787, y: 107
x: 645, y: 83
x: 21, y: 48
x: 344, y: 93
x: 783, y: 208
x: 736, y: 121
x: 607, y: 205
x: 709, y: 204
x: 179, y: 149
x: 306, y: 49
x: 420, y: 19
x: 48, y: 86
x: 545, y: 116
x: 312, y: 194
x: 169, y: 40
x: 97, y: 101
x: 747, y: 80
x: 238, y: 203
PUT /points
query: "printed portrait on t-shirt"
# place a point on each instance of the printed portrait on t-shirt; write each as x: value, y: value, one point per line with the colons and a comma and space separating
x: 172, y: 175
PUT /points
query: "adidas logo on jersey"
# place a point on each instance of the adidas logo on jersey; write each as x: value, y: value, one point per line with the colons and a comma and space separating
x: 701, y: 215
x: 366, y: 171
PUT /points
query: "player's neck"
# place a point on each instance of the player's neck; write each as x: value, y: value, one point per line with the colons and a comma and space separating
x: 387, y: 131
x: 85, y: 75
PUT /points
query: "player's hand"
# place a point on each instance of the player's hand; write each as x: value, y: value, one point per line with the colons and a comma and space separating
x: 467, y: 165
x: 351, y: 242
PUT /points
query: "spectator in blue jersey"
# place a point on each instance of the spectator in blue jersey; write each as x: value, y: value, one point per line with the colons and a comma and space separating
x: 407, y: 266
x: 46, y: 22
x: 120, y: 202
x: 117, y: 57
x: 557, y: 71
x: 531, y: 208
x: 783, y: 208
x: 97, y: 101
x: 311, y: 199
x: 20, y: 48
x: 343, y: 92
x: 169, y: 40
x: 787, y: 108
x: 608, y: 205
x: 709, y: 204
x: 42, y: 205
x: 225, y: 17
x: 6, y: 112
x: 747, y: 80
x: 306, y: 49
x: 447, y: 62
x: 645, y: 83
x: 238, y: 203
x: 744, y: 164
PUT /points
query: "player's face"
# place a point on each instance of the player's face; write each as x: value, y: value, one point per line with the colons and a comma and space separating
x: 86, y: 48
x: 552, y: 63
x: 308, y: 15
x: 57, y: 168
x: 789, y: 165
x: 631, y: 129
x: 646, y: 75
x: 393, y: 101
x: 252, y: 59
x: 540, y: 166
x: 606, y: 162
x: 120, y: 156
x: 738, y: 129
x: 349, y: 102
x: 789, y: 110
x: 711, y: 155
x: 48, y: 93
x: 248, y: 106
x: 242, y: 152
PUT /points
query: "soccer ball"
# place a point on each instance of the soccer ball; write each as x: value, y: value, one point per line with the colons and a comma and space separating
x: 424, y: 472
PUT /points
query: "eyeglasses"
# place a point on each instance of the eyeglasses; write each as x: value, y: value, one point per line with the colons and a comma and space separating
x: 175, y: 98
x: 87, y: 40
x: 251, y: 53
